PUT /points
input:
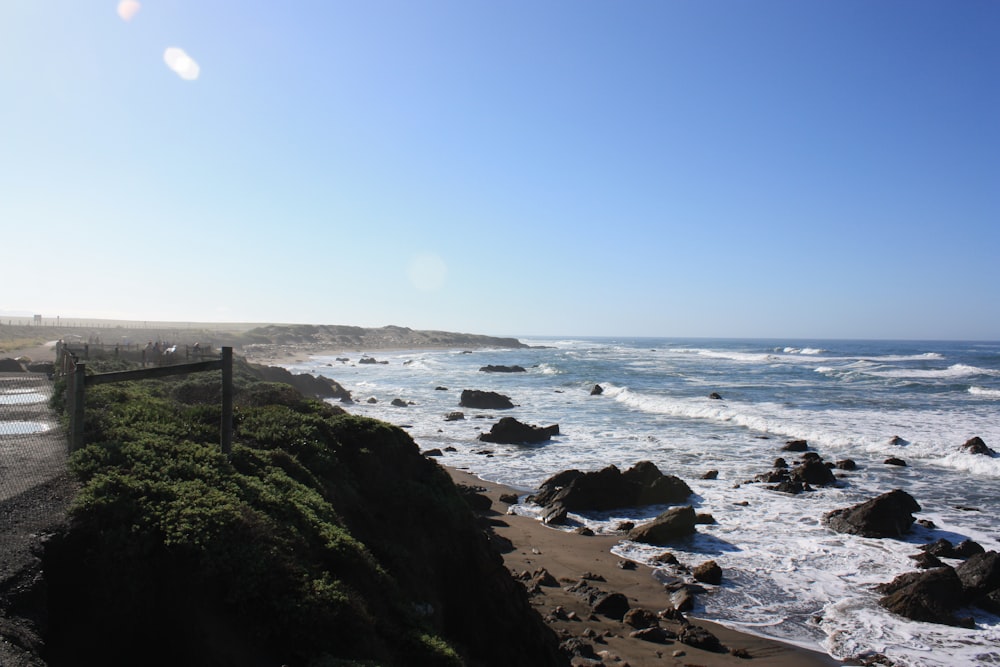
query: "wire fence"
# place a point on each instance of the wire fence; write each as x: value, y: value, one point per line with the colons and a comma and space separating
x: 33, y: 443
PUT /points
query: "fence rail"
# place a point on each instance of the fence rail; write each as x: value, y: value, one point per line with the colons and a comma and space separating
x: 78, y: 381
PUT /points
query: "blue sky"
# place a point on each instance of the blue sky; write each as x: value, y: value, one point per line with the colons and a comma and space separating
x: 667, y: 168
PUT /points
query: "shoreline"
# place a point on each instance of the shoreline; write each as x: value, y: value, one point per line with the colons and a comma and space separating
x: 567, y: 556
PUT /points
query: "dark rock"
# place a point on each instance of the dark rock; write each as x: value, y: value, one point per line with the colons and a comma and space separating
x: 434, y: 452
x: 367, y: 360
x: 542, y: 577
x: 791, y: 486
x: 926, y: 561
x: 977, y: 446
x: 847, y: 464
x: 968, y: 548
x: 399, y: 403
x: 654, y: 634
x: 893, y: 461
x: 509, y: 431
x: 609, y: 488
x: 696, y: 636
x: 715, y: 396
x: 980, y: 574
x: 896, y: 441
x: 484, y: 400
x: 576, y: 647
x: 597, y: 390
x: 704, y: 519
x: 502, y: 369
x: 675, y: 523
x: 682, y: 599
x: 941, y: 548
x: 625, y: 526
x: 779, y: 463
x: 711, y: 474
x: 509, y: 498
x: 627, y: 565
x: 795, y: 446
x: 640, y: 618
x: 929, y: 596
x: 372, y: 399
x: 708, y: 572
x: 927, y: 523
x: 454, y: 416
x: 813, y: 472
x: 440, y: 388
x: 585, y: 531
x: 887, y: 515
x: 555, y: 515
x: 667, y: 558
x: 612, y: 605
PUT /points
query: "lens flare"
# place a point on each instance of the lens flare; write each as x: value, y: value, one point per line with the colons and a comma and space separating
x: 181, y: 63
x: 127, y: 9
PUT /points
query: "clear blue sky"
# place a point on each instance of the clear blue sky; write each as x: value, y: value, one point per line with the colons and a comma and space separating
x: 584, y: 167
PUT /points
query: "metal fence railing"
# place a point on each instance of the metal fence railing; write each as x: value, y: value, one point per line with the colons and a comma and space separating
x: 33, y: 443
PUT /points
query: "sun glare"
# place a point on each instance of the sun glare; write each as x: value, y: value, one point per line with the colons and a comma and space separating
x: 181, y: 63
x: 127, y: 9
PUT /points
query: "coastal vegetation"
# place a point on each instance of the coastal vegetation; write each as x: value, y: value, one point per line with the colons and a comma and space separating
x: 324, y: 539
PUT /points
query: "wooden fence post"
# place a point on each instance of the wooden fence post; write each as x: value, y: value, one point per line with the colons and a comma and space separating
x: 77, y: 391
x: 227, y: 400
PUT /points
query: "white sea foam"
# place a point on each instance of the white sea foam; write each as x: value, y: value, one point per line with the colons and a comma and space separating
x: 984, y: 393
x: 953, y: 371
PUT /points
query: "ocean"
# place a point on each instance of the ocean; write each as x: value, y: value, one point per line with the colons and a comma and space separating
x: 786, y: 576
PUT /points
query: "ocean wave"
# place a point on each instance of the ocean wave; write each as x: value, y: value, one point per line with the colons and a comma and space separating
x: 953, y: 371
x: 803, y: 350
x: 985, y: 393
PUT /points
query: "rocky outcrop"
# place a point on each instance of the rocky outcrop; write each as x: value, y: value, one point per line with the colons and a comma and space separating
x: 503, y: 369
x: 308, y: 385
x: 887, y: 515
x: 484, y: 400
x: 609, y: 488
x: 509, y: 431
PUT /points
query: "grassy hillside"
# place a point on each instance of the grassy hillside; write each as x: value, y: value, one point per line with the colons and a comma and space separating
x: 325, y: 539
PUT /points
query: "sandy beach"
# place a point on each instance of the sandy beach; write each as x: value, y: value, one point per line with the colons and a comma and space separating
x: 567, y: 556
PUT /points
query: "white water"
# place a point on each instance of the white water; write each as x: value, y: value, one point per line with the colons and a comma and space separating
x: 786, y: 575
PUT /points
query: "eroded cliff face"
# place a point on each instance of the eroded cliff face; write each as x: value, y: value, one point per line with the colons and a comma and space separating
x: 324, y: 537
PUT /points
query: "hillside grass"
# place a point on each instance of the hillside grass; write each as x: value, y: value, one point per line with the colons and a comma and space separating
x: 306, y: 544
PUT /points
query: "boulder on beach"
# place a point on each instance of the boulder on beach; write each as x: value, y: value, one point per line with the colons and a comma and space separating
x: 887, y: 515
x: 509, y: 431
x: 675, y: 523
x: 484, y: 400
x: 502, y: 369
x: 609, y: 488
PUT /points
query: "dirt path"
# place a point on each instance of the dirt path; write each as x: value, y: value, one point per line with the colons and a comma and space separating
x: 35, y: 491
